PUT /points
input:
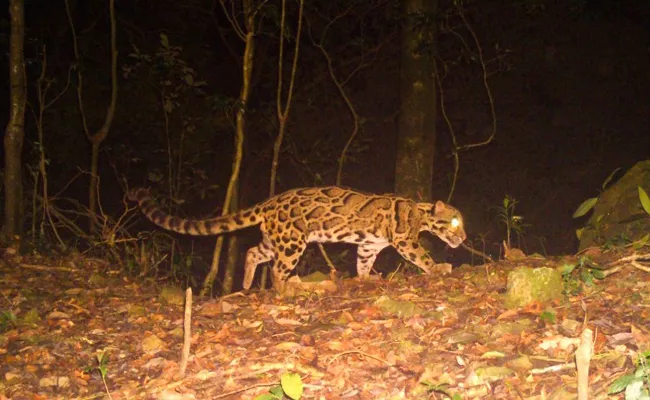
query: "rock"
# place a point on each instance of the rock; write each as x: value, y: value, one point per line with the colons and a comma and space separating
x: 172, y: 295
x: 618, y: 216
x: 152, y: 344
x: 527, y: 285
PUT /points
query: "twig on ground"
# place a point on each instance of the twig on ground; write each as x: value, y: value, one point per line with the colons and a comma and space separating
x: 632, y: 257
x: 477, y: 252
x: 614, y: 270
x: 47, y: 268
x: 638, y: 265
x: 553, y: 368
x: 583, y: 357
x: 360, y: 353
x: 631, y: 260
x: 245, y: 389
x: 187, y: 332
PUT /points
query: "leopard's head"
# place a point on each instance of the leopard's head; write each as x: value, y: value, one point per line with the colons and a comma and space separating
x: 444, y: 221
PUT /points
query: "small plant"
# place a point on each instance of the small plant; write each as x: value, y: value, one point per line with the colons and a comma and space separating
x: 513, y: 223
x: 636, y: 385
x: 644, y: 241
x: 577, y: 276
x: 8, y: 320
x: 290, y: 386
x: 548, y: 316
x: 591, y: 202
x: 616, y: 241
x: 588, y: 204
x: 442, y: 389
x: 102, y: 368
x: 644, y: 199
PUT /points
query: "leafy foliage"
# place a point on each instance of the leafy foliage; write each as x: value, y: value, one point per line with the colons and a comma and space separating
x: 585, y: 207
x: 290, y: 386
x: 596, y: 224
x: 645, y: 201
x: 588, y: 204
x: 7, y: 320
x: 636, y: 385
x: 442, y: 389
x: 579, y: 276
x: 548, y: 316
x: 102, y: 364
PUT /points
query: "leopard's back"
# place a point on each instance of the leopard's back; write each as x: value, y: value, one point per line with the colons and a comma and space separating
x: 329, y: 214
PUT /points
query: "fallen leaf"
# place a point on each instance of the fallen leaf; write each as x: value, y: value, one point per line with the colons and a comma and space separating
x: 288, y: 346
x: 58, y: 315
x: 288, y: 322
x: 508, y: 314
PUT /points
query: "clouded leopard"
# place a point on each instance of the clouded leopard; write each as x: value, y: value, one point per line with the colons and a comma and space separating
x: 294, y: 218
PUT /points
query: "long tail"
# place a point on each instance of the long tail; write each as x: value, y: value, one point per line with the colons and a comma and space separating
x: 197, y: 227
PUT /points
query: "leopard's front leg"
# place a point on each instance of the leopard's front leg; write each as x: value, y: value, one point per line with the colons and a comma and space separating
x: 412, y: 251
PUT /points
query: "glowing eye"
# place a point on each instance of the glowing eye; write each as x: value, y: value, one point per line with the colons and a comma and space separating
x: 455, y: 222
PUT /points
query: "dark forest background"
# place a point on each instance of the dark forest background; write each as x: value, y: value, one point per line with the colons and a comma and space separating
x: 569, y: 80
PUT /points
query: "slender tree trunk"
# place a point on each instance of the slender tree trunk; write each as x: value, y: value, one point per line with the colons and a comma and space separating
x: 15, y: 131
x: 247, y: 71
x: 416, y: 124
x: 233, y: 250
x: 94, y: 183
x: 98, y: 138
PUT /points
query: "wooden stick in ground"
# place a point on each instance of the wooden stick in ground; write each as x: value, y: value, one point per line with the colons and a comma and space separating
x: 329, y: 262
x: 187, y: 332
x: 477, y: 252
x: 583, y: 357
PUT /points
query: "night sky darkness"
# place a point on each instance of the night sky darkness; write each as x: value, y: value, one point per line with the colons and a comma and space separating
x: 569, y: 79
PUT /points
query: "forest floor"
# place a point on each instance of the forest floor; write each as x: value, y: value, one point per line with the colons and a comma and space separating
x: 406, y: 337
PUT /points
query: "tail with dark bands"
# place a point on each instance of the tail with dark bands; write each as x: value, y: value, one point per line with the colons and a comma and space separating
x: 196, y: 227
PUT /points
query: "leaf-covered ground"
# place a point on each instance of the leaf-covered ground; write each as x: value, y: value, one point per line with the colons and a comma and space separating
x: 411, y: 337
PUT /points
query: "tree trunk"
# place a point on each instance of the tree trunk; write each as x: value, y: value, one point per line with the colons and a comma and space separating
x: 15, y: 131
x: 233, y: 250
x: 247, y: 70
x: 93, y: 187
x: 98, y: 138
x: 416, y: 124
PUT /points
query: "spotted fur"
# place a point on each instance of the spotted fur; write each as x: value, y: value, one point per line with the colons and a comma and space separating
x: 292, y: 219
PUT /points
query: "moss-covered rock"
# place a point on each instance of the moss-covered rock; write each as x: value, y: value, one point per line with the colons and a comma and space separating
x: 618, y: 216
x: 398, y: 308
x: 172, y: 295
x: 527, y: 285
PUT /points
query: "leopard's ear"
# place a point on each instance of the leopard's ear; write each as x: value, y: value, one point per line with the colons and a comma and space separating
x: 440, y: 207
x: 425, y: 207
